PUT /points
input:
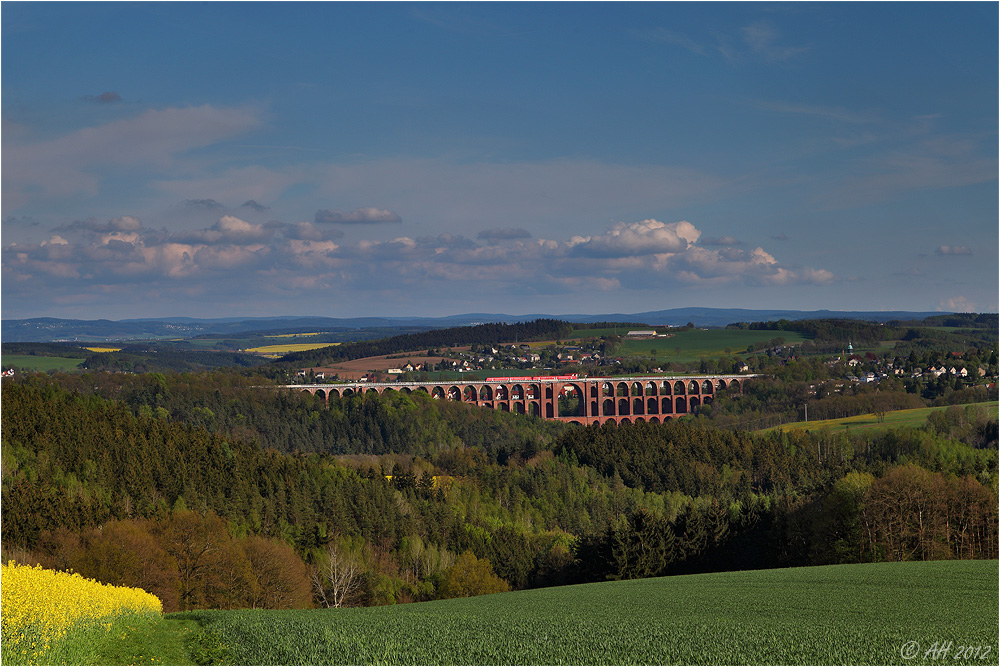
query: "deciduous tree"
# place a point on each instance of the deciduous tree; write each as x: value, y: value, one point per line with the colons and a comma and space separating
x: 471, y: 576
x: 339, y: 574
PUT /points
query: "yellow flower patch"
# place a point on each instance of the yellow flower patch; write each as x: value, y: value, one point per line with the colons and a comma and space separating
x: 38, y: 607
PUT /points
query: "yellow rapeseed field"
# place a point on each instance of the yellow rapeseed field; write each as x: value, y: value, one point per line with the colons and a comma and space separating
x: 287, y: 347
x: 38, y: 607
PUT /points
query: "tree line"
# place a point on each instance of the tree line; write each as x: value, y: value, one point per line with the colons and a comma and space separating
x: 496, y: 332
x: 980, y: 328
x: 484, y: 500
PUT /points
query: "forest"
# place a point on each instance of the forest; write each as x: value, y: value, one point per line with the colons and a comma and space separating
x: 199, y: 479
x: 975, y: 327
x: 213, y: 490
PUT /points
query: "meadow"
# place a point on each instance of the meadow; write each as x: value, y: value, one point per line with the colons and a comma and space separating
x: 693, y: 344
x: 905, y: 418
x: 40, y: 363
x: 884, y: 613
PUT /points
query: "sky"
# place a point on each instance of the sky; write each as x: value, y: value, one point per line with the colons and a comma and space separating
x: 428, y: 159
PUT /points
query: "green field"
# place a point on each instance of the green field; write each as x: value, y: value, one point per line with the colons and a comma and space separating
x: 39, y: 363
x: 692, y: 345
x: 695, y: 344
x: 886, y: 613
x: 915, y: 417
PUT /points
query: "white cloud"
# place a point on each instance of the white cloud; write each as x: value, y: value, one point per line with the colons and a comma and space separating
x: 648, y: 237
x: 229, y: 229
x: 957, y: 304
x: 233, y: 253
x: 952, y: 250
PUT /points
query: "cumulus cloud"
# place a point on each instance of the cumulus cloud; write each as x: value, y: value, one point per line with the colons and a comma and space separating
x: 648, y: 237
x: 952, y: 250
x: 277, y: 256
x: 737, y: 266
x: 957, y: 304
x: 357, y: 216
x: 634, y: 252
x: 229, y: 229
x: 400, y: 248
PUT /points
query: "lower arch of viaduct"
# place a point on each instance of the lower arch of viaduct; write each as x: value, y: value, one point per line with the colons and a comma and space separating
x: 619, y: 400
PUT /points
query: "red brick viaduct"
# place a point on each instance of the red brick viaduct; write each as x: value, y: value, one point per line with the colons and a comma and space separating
x: 591, y: 400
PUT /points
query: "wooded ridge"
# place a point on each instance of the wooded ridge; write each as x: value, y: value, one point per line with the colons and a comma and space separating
x: 419, y: 495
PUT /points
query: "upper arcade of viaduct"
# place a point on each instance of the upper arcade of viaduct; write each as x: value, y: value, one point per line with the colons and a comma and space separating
x: 592, y: 400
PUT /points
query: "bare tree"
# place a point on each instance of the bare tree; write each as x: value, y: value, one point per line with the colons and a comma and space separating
x: 338, y: 576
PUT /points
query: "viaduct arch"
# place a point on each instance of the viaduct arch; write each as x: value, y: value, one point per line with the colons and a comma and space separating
x: 590, y: 400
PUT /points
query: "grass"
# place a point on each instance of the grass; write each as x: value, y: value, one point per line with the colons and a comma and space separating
x: 167, y: 642
x: 886, y: 613
x: 39, y: 363
x: 691, y: 345
x: 122, y: 639
x: 913, y: 418
x: 694, y: 344
x: 163, y: 641
x: 141, y: 641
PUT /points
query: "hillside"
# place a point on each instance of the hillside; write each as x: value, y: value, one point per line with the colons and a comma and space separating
x: 44, y: 329
x: 889, y: 613
x: 407, y: 487
x: 915, y: 417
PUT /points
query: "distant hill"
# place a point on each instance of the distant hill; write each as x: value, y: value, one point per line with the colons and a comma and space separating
x: 46, y: 329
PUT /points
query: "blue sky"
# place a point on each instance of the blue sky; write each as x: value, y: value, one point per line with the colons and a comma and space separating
x: 347, y: 159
